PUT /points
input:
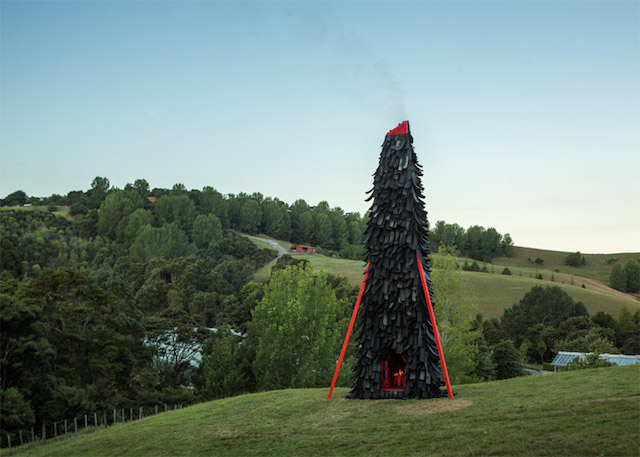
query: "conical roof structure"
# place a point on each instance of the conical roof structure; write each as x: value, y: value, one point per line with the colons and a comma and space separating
x: 398, y: 355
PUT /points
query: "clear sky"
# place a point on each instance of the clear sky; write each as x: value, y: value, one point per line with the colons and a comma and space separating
x: 525, y: 115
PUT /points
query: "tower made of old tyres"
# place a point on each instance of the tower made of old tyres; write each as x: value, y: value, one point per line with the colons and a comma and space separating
x: 398, y: 356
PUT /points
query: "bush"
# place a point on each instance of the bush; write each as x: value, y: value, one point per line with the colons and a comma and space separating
x: 540, y: 276
x: 575, y: 260
x: 590, y: 361
x: 78, y: 208
x: 507, y: 360
x: 548, y: 367
x: 506, y: 271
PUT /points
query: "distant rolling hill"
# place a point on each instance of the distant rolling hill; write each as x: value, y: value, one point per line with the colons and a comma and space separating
x: 494, y: 291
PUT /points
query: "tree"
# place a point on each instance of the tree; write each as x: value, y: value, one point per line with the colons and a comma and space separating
x: 167, y: 241
x: 548, y: 305
x: 618, y: 278
x: 604, y: 320
x: 595, y: 341
x: 98, y: 192
x: 93, y: 336
x: 17, y: 413
x: 213, y: 202
x: 539, y: 261
x: 175, y: 207
x: 17, y: 198
x: 507, y: 245
x: 221, y: 365
x: 275, y: 219
x: 322, y: 230
x: 250, y: 216
x: 77, y: 208
x: 138, y: 219
x: 339, y: 233
x: 454, y: 313
x: 299, y: 231
x: 626, y: 322
x: 114, y: 213
x: 206, y: 229
x: 295, y: 327
x: 507, y: 360
x: 632, y: 270
x: 575, y: 260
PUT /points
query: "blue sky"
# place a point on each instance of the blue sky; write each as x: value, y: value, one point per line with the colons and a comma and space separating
x: 525, y: 115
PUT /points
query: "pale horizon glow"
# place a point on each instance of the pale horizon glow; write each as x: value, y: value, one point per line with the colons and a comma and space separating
x: 525, y: 115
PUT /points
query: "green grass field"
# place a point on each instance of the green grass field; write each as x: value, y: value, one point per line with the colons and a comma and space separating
x: 578, y: 413
x: 596, y: 267
x: 493, y: 291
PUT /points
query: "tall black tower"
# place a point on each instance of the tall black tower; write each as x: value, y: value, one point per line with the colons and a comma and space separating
x: 398, y: 355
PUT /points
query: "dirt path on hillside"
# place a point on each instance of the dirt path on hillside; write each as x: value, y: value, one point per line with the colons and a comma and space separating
x: 599, y: 286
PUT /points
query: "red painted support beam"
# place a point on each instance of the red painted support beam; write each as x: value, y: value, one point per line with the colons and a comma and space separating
x: 346, y: 338
x: 435, y: 327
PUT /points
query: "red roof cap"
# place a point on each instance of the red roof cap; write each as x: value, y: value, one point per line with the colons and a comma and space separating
x: 402, y: 128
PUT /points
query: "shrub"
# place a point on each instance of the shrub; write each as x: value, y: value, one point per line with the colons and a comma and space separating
x: 575, y: 260
x: 507, y: 360
x: 590, y: 361
x: 78, y: 208
x: 506, y: 271
x: 548, y: 366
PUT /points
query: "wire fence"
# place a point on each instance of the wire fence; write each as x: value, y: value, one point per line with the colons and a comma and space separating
x: 64, y: 429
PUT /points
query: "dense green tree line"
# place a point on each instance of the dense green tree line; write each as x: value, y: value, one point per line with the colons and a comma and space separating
x: 547, y: 320
x: 331, y: 229
x: 475, y: 242
x: 117, y: 304
x: 626, y: 278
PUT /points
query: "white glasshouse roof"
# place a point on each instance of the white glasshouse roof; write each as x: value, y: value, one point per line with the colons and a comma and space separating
x: 563, y: 358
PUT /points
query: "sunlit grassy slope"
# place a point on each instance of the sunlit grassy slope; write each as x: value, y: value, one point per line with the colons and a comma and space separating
x: 493, y: 292
x: 597, y: 267
x: 579, y: 413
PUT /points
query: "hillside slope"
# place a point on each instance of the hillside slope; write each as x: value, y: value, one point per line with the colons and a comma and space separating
x: 494, y: 292
x: 588, y: 412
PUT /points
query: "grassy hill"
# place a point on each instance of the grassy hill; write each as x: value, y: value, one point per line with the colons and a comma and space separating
x: 494, y: 292
x: 588, y: 412
x: 598, y: 266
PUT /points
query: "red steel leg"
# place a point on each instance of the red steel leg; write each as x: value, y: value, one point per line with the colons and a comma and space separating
x: 346, y: 338
x: 435, y: 327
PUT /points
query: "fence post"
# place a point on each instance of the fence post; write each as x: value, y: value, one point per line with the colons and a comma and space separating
x: 44, y: 433
x: 104, y: 418
x: 114, y: 415
x: 156, y: 409
x: 33, y: 436
x: 21, y: 441
x: 65, y: 430
x: 9, y: 439
x: 75, y: 425
x: 165, y: 407
x: 175, y: 407
x: 122, y: 414
x: 55, y: 430
x: 86, y: 424
x: 140, y: 413
x: 130, y: 414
